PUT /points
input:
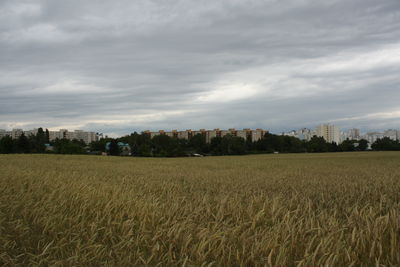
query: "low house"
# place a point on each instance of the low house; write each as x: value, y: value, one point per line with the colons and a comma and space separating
x: 124, y: 148
x: 48, y: 147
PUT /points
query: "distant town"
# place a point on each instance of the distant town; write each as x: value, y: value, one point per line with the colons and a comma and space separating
x: 84, y: 136
x: 331, y: 133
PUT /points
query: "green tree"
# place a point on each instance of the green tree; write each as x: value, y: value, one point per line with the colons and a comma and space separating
x: 162, y: 145
x: 348, y: 145
x: 22, y: 144
x: 386, y: 144
x: 238, y: 145
x: 6, y: 145
x: 114, y: 149
x: 198, y: 143
x: 250, y: 145
x: 65, y: 146
x: 270, y: 143
x: 141, y: 144
x: 363, y: 145
x: 47, y: 136
x: 233, y: 145
x: 40, y: 141
x: 99, y: 145
x: 216, y: 145
x: 178, y: 147
x: 144, y: 150
x: 317, y: 144
x: 226, y: 144
x: 333, y: 147
x: 290, y: 144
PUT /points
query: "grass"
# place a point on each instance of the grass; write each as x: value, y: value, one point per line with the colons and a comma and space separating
x: 338, y: 209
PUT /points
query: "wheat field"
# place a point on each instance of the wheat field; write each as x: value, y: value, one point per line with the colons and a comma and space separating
x: 338, y: 209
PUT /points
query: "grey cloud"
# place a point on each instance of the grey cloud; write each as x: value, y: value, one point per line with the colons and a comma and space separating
x: 122, y: 66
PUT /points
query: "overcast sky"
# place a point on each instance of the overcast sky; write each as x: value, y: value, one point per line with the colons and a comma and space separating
x: 120, y: 66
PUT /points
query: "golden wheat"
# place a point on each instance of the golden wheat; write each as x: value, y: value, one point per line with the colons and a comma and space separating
x: 268, y: 210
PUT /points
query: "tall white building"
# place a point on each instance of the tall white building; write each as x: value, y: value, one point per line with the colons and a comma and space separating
x: 31, y: 132
x: 246, y: 134
x: 371, y: 137
x: 353, y: 134
x: 3, y: 133
x: 302, y: 134
x: 331, y: 133
x: 392, y: 134
x: 87, y: 137
x: 16, y: 133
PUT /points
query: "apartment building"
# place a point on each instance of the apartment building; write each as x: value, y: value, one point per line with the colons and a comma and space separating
x: 211, y: 134
x: 302, y: 134
x: 185, y: 134
x: 371, y: 137
x: 87, y: 137
x: 172, y: 134
x: 392, y: 134
x: 201, y: 131
x: 3, y: 133
x: 16, y: 133
x: 246, y: 134
x: 353, y: 134
x: 331, y: 133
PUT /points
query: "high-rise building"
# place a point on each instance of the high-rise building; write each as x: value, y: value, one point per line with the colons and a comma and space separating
x: 31, y: 132
x: 302, y: 134
x: 246, y: 134
x: 87, y: 137
x: 392, y: 134
x: 185, y: 134
x: 331, y: 133
x: 257, y: 134
x: 211, y: 134
x: 353, y: 134
x: 371, y: 137
x: 3, y: 133
x: 16, y: 133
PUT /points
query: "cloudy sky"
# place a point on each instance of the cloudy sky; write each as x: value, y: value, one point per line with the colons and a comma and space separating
x: 119, y: 66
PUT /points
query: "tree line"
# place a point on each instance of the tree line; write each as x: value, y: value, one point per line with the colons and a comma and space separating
x: 164, y: 146
x: 38, y: 143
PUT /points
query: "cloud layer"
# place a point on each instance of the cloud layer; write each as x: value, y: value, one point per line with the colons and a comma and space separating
x: 120, y: 66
